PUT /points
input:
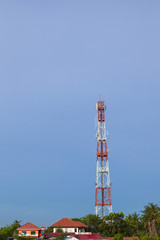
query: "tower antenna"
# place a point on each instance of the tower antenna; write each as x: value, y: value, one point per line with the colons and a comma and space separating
x: 103, y: 201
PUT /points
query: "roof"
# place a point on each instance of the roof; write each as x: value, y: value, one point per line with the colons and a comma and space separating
x: 79, y: 236
x: 48, y: 235
x: 89, y: 236
x: 67, y: 223
x: 28, y: 226
x: 81, y: 224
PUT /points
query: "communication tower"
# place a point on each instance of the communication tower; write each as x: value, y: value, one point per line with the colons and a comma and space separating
x: 103, y: 201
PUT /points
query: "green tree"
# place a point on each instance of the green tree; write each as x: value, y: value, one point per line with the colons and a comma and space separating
x: 23, y: 238
x: 118, y: 236
x: 59, y: 230
x: 151, y: 219
x: 61, y: 237
x: 9, y: 230
x: 92, y: 221
x: 112, y: 224
x: 48, y: 230
x: 133, y: 224
x: 76, y: 219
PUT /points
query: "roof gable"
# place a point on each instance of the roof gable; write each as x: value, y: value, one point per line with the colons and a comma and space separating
x: 28, y: 226
x: 68, y: 223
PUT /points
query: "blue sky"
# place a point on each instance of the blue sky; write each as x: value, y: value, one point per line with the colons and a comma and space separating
x: 56, y: 59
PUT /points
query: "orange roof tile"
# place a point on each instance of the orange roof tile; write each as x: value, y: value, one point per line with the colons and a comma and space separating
x: 81, y: 224
x: 28, y: 226
x: 89, y: 236
x: 68, y: 223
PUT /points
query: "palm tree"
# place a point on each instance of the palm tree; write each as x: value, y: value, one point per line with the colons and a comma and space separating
x: 133, y: 222
x: 151, y: 218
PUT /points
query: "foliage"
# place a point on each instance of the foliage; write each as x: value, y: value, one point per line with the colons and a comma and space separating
x: 131, y: 225
x: 92, y: 221
x: 23, y: 238
x: 59, y: 230
x: 48, y: 230
x: 147, y: 237
x: 76, y: 219
x: 118, y: 236
x: 112, y: 224
x: 146, y: 226
x: 61, y: 237
x: 9, y: 230
x: 151, y: 219
x: 134, y: 224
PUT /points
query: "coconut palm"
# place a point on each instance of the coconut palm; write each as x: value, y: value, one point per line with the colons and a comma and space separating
x: 133, y: 223
x: 151, y: 218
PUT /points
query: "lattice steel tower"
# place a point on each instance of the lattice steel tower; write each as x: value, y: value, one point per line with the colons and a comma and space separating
x: 103, y: 201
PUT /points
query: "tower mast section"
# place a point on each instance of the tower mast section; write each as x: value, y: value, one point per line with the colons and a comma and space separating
x: 103, y: 201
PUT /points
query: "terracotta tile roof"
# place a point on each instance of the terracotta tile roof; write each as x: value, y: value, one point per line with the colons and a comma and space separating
x: 89, y: 236
x: 81, y: 224
x: 68, y: 223
x: 48, y: 235
x: 28, y: 226
x: 80, y: 236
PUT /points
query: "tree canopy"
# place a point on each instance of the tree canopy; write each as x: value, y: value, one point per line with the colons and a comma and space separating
x: 145, y: 225
x: 151, y: 219
x: 9, y: 230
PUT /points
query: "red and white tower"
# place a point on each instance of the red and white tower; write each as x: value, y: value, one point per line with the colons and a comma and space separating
x: 103, y: 201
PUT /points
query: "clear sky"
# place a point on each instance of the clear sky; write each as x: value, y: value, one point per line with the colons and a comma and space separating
x: 56, y: 59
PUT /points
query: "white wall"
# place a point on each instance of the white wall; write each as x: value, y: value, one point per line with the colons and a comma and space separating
x: 70, y: 230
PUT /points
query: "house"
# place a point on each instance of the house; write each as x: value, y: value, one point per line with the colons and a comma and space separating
x: 73, y: 236
x: 67, y: 236
x: 29, y: 230
x: 43, y: 228
x: 69, y: 226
